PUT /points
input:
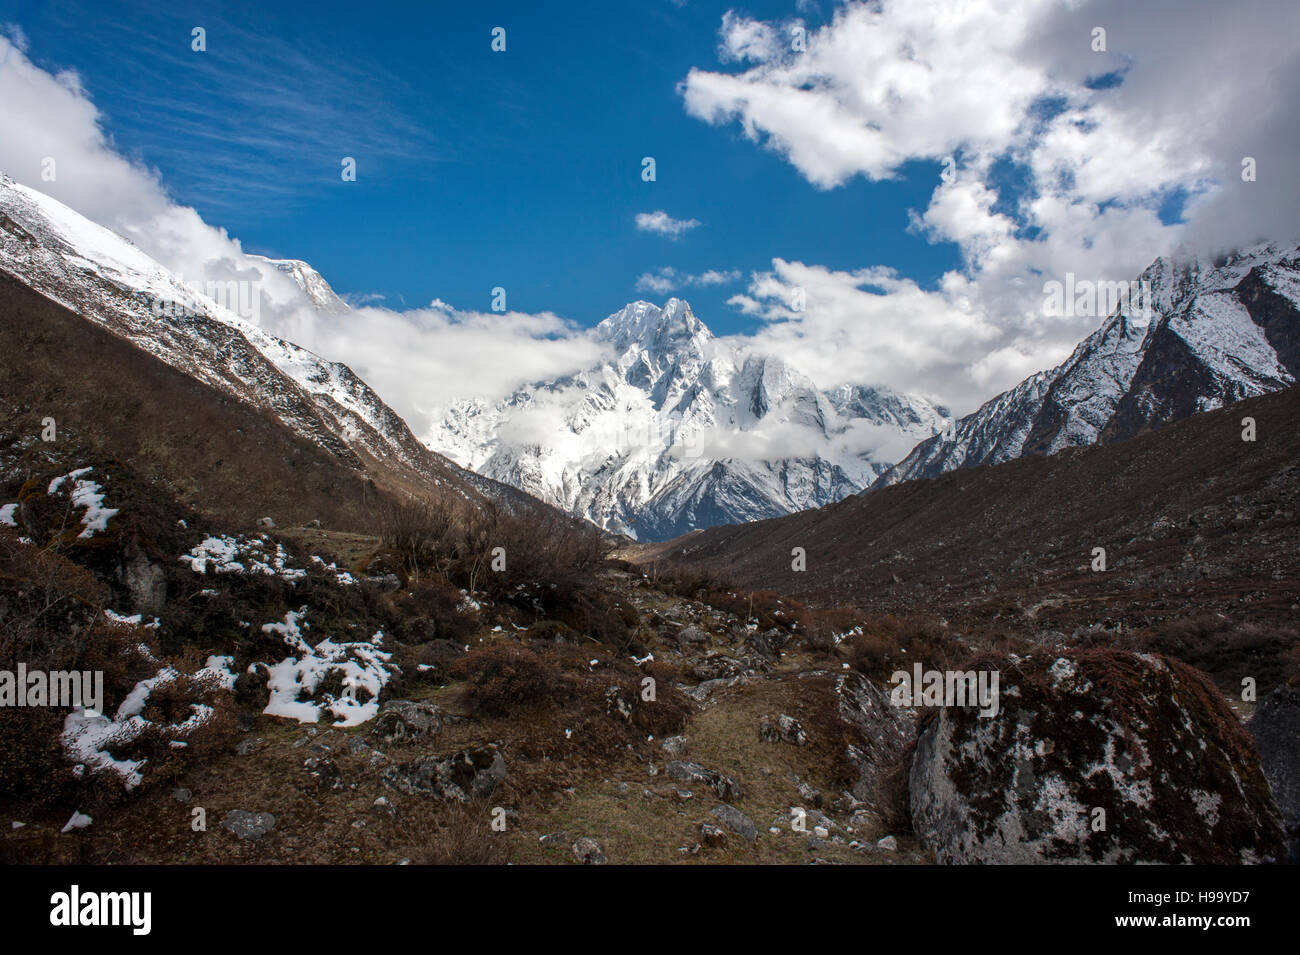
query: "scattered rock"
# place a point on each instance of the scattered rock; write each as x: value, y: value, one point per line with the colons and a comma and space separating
x: 589, y: 852
x: 712, y: 835
x: 384, y: 806
x: 248, y: 825
x: 460, y: 776
x: 888, y: 843
x: 736, y: 821
x: 782, y: 729
x: 674, y: 745
x: 725, y: 786
x: 265, y: 523
x: 404, y: 720
x: 554, y: 839
x: 181, y: 794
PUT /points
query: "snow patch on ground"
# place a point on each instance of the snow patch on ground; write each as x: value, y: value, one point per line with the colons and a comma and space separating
x: 242, y: 555
x: 87, y: 735
x: 295, y: 682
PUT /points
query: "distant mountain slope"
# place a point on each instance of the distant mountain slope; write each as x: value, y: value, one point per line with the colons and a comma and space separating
x: 1192, y: 519
x: 1217, y: 335
x: 678, y: 429
x: 105, y: 279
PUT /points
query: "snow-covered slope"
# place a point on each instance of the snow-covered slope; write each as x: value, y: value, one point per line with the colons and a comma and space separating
x: 106, y: 279
x: 1213, y: 335
x: 678, y: 429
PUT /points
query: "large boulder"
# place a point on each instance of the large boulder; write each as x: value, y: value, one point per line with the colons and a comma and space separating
x: 1144, y: 740
x: 879, y: 744
x: 1276, y: 728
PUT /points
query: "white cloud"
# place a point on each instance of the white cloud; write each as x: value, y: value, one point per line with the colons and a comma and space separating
x: 661, y: 223
x: 667, y: 279
x: 416, y: 360
x: 992, y: 85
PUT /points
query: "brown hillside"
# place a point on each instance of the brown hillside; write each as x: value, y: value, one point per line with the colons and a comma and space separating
x: 1193, y: 519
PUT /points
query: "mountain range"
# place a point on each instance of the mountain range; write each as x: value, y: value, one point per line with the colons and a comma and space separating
x: 677, y: 429
x: 103, y: 277
x: 1205, y: 335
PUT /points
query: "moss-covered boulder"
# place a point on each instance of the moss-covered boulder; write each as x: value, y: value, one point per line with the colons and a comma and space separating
x: 1095, y: 756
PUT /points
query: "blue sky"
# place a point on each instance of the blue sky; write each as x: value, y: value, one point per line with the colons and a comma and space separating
x: 476, y: 169
x: 815, y: 175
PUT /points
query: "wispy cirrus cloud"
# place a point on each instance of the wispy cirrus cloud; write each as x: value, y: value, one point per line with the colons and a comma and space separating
x: 417, y: 359
x: 232, y: 124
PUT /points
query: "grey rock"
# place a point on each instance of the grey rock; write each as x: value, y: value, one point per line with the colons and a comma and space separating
x: 1183, y: 781
x: 736, y: 821
x: 181, y: 794
x: 726, y: 787
x: 248, y: 825
x: 589, y: 852
x: 882, y: 733
x: 404, y: 720
x: 459, y: 777
x: 1276, y: 729
x: 265, y: 523
x: 674, y: 745
x: 782, y: 729
x: 146, y: 582
x: 692, y: 635
x: 712, y: 835
x: 554, y: 839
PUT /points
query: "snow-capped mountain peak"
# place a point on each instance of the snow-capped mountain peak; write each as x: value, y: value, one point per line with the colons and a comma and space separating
x: 1204, y: 334
x: 313, y: 284
x: 680, y: 429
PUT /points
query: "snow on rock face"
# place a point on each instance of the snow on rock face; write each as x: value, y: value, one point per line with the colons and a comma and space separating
x: 303, y: 684
x: 311, y: 282
x: 1147, y: 741
x: 678, y: 429
x: 1217, y: 335
x: 211, y: 333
